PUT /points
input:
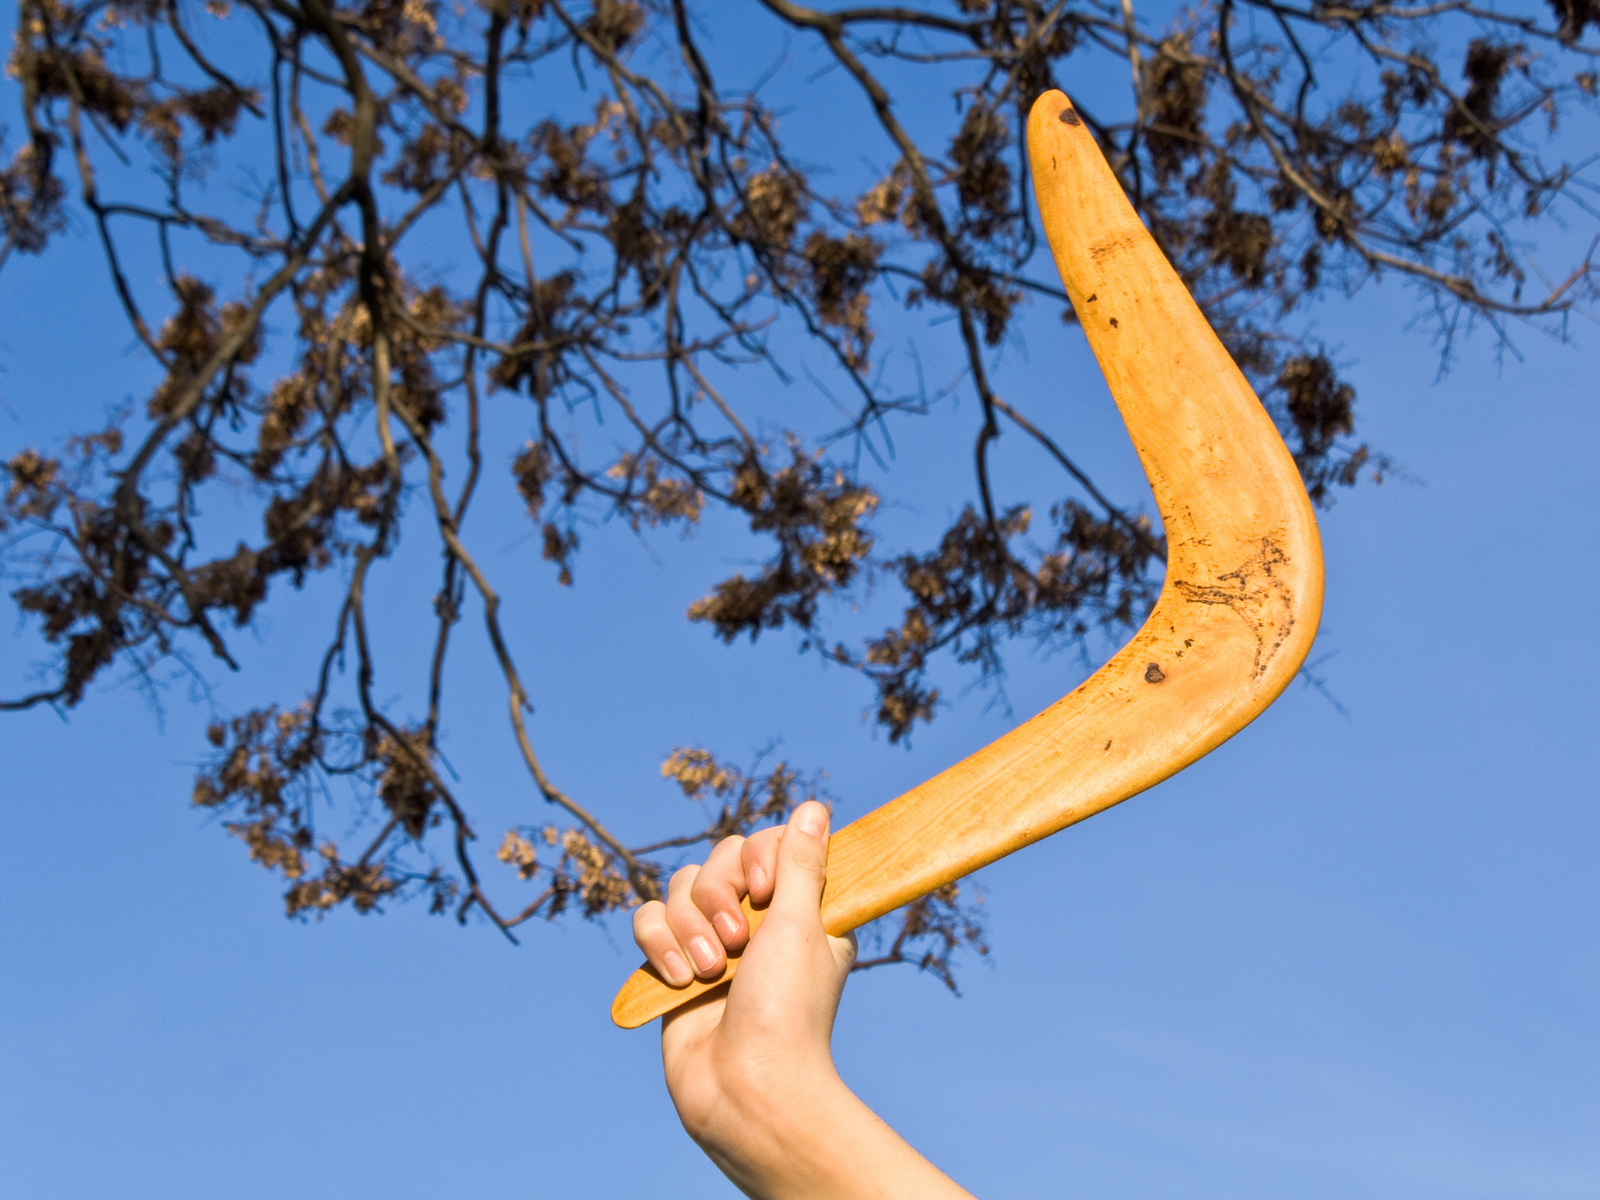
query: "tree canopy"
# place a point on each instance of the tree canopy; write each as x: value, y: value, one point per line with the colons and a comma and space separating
x: 644, y: 243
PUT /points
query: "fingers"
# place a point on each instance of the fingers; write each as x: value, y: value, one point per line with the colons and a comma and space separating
x: 702, y: 921
x: 691, y: 927
x: 759, y: 857
x: 716, y: 892
x: 661, y: 949
x: 676, y: 937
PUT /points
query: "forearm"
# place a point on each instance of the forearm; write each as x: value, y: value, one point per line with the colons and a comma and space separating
x: 824, y: 1142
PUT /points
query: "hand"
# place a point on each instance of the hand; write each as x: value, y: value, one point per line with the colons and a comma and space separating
x: 749, y: 1067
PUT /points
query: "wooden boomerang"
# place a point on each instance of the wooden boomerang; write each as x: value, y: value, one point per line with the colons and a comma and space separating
x: 1236, y: 614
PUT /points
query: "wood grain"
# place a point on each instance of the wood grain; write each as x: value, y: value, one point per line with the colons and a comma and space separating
x: 1235, y: 618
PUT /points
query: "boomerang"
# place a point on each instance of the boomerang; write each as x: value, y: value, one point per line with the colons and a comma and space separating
x: 1237, y: 612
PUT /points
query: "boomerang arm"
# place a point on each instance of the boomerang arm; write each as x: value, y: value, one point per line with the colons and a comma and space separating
x: 1236, y: 614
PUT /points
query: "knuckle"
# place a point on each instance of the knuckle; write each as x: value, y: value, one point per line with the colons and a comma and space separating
x: 709, y: 894
x: 810, y: 855
x: 684, y: 875
x: 648, y: 914
x: 682, y: 880
x: 684, y: 917
x: 681, y: 914
x: 650, y: 928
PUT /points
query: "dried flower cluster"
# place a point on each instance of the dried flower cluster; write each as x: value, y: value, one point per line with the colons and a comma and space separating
x: 635, y: 231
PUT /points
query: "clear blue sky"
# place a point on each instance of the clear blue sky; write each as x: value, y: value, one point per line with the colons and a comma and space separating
x: 1336, y: 958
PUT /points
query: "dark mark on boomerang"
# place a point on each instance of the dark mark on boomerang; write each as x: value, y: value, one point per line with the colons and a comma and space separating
x: 1259, y: 598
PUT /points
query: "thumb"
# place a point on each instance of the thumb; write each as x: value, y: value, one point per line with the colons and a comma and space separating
x: 802, y: 864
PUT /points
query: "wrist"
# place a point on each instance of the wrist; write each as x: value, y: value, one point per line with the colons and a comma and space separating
x: 779, y: 1136
x: 821, y: 1140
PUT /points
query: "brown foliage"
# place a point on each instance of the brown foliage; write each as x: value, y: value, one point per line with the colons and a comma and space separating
x: 817, y: 524
x: 631, y: 244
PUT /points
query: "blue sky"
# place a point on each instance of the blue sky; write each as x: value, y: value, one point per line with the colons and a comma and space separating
x: 1337, y: 957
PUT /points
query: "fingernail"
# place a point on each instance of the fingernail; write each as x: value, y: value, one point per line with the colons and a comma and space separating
x: 812, y: 819
x: 727, y: 927
x: 704, y: 956
x: 758, y: 879
x: 674, y: 968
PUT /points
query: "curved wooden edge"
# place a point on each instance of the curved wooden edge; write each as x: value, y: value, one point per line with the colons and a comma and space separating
x: 1237, y: 612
